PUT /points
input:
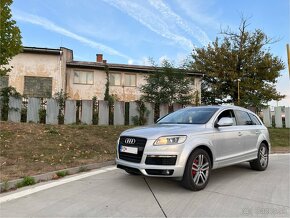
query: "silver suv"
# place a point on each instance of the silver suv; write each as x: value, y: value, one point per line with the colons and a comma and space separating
x: 190, y: 142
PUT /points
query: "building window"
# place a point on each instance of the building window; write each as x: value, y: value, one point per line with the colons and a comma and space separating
x: 39, y: 87
x: 83, y: 77
x: 130, y: 80
x: 115, y: 79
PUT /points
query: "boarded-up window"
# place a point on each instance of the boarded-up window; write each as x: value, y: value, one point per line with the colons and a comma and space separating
x: 83, y: 77
x: 3, y: 81
x: 35, y: 86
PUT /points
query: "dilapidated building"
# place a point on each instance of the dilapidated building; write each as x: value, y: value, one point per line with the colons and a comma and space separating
x: 42, y: 72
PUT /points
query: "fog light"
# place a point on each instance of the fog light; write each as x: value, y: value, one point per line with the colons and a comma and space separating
x: 167, y: 172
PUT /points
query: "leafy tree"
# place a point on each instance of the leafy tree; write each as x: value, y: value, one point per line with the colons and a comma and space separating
x: 240, y: 57
x: 167, y: 85
x: 10, y: 41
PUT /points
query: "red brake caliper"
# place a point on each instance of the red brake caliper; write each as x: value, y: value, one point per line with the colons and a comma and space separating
x: 193, y: 171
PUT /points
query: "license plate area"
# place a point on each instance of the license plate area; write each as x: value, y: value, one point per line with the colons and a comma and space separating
x: 127, y: 149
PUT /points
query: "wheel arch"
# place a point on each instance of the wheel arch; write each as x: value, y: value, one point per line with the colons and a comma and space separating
x: 266, y: 143
x: 207, y: 150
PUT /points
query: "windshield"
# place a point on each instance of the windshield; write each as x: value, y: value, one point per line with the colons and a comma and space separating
x: 198, y: 115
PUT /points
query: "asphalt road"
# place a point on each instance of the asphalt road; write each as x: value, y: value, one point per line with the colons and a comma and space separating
x: 235, y: 191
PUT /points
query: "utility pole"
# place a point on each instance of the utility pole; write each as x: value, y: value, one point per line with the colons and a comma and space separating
x: 239, y: 91
x: 288, y: 54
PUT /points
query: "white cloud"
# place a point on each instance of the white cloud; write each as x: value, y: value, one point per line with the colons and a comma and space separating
x: 198, y: 11
x: 162, y: 59
x: 130, y: 61
x: 171, y: 16
x: 151, y: 20
x: 47, y: 24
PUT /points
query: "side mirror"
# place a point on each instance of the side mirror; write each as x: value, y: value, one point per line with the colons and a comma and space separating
x: 225, y: 121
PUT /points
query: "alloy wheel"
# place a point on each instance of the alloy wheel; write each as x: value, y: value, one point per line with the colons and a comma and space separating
x: 263, y: 156
x: 200, y: 169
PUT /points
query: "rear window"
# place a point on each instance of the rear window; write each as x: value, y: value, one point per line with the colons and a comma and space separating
x: 243, y: 118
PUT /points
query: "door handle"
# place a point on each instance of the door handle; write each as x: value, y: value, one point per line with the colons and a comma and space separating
x: 240, y: 133
x: 257, y: 132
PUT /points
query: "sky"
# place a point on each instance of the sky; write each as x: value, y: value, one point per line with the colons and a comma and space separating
x: 133, y: 31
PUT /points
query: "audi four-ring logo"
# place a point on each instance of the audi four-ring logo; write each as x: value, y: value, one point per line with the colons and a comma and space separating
x: 130, y: 141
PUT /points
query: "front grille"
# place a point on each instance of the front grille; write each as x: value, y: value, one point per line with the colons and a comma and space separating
x: 161, y: 160
x: 139, y: 143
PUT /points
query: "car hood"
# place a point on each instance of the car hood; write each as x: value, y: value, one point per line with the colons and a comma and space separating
x: 157, y: 130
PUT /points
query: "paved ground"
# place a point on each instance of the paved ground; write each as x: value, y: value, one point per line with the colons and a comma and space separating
x: 234, y: 191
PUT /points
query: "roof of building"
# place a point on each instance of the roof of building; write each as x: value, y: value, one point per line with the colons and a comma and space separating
x: 99, y: 65
x: 120, y: 67
x: 38, y: 50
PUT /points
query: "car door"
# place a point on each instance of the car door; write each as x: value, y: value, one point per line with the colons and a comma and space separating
x: 249, y: 132
x: 227, y: 140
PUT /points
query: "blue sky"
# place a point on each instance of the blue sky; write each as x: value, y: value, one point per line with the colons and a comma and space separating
x: 131, y: 31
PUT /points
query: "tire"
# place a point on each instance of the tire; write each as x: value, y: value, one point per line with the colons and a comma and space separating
x: 197, y: 170
x: 261, y: 163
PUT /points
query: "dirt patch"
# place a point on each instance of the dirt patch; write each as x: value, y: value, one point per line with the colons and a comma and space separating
x: 29, y: 149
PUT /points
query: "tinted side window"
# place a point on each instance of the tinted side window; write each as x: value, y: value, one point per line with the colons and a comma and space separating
x: 229, y: 114
x: 254, y: 119
x: 243, y: 118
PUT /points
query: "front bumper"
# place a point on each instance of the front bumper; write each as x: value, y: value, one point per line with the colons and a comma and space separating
x: 157, y: 161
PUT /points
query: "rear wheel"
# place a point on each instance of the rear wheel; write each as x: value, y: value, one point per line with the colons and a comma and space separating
x: 197, y: 170
x: 261, y: 163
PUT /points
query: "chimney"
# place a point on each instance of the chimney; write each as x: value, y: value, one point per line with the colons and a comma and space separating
x: 99, y: 58
x: 104, y: 61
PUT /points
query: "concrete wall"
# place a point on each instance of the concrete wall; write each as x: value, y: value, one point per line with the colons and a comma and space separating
x: 42, y: 65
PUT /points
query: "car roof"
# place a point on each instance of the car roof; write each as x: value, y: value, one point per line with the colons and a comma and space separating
x: 222, y: 107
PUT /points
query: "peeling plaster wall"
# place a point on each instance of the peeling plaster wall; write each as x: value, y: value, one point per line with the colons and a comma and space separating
x: 123, y: 93
x: 42, y: 65
x: 87, y: 92
x: 84, y: 91
x: 126, y: 93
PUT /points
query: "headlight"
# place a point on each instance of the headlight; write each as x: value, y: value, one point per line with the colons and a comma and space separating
x: 170, y: 140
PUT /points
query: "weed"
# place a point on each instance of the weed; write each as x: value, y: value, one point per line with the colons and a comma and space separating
x: 26, y: 181
x: 62, y: 173
x: 52, y: 130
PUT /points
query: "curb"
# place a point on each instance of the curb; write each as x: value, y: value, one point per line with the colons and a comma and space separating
x: 6, y: 186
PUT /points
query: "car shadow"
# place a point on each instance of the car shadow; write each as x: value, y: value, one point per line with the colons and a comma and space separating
x: 217, y: 176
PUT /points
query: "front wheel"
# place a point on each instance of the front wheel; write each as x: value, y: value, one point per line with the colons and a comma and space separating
x: 261, y: 163
x: 197, y: 170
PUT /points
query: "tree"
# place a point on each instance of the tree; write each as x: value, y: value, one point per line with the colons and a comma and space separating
x: 167, y: 85
x: 240, y: 57
x: 10, y: 41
